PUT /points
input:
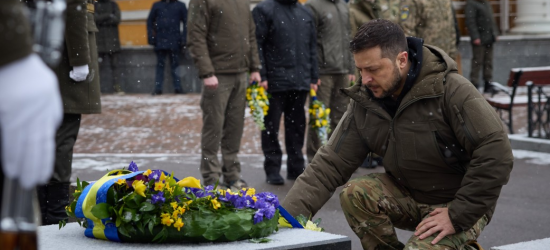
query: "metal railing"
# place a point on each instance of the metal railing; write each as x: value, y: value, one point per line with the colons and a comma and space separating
x: 538, y: 110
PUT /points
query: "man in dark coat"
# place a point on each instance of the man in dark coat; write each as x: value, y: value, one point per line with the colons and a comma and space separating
x: 287, y: 44
x: 163, y: 32
x: 107, y: 19
x: 78, y: 77
x: 483, y: 34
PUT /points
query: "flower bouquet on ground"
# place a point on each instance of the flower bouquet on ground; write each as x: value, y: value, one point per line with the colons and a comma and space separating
x: 153, y: 206
x: 258, y: 102
x: 319, y: 119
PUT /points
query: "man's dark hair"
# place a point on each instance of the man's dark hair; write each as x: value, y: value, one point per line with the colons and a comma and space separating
x: 379, y: 32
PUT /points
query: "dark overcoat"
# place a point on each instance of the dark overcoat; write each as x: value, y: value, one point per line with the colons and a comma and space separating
x: 79, y: 49
x: 107, y: 19
x: 164, y: 25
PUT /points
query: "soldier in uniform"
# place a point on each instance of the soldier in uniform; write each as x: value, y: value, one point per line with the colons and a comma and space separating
x: 362, y: 11
x: 432, y: 21
x: 336, y: 69
x: 107, y: 18
x: 30, y: 105
x: 78, y: 77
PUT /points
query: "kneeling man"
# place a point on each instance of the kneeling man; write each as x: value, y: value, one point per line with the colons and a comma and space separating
x: 446, y: 153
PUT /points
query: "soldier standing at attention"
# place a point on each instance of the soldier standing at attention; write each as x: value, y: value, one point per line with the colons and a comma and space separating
x: 336, y: 68
x: 483, y: 35
x: 222, y: 42
x: 412, y: 108
x: 78, y: 77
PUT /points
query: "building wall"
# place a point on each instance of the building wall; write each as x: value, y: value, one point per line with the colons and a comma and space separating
x: 137, y: 64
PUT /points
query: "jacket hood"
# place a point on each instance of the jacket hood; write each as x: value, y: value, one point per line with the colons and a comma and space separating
x: 436, y: 64
x: 287, y: 1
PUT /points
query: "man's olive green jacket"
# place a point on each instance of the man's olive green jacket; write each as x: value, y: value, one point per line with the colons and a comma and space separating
x: 221, y: 36
x: 445, y: 144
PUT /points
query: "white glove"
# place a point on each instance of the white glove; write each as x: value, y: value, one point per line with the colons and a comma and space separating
x: 30, y: 113
x: 79, y: 73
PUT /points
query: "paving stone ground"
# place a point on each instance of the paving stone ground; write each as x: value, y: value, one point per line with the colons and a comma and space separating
x: 164, y: 132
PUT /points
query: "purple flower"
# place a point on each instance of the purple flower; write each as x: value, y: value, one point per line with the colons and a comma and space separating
x: 269, y: 197
x: 133, y: 167
x: 269, y: 212
x: 258, y: 217
x: 232, y: 198
x: 159, y: 197
x: 244, y: 202
x: 155, y: 175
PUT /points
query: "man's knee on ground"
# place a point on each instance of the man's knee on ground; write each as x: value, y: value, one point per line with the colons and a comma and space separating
x: 358, y: 192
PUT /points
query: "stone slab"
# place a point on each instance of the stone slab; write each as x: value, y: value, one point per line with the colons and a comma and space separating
x: 521, y: 141
x: 542, y: 244
x: 72, y: 237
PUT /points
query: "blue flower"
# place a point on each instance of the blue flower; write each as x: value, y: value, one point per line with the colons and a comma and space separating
x: 244, y: 202
x: 159, y: 197
x: 155, y: 175
x: 133, y: 167
x: 258, y: 217
x: 269, y: 212
x: 269, y: 197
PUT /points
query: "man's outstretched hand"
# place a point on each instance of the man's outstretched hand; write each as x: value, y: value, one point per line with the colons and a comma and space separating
x: 438, y: 221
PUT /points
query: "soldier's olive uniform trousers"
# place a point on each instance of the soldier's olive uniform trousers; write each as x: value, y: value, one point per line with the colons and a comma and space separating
x: 482, y: 60
x: 55, y: 195
x: 329, y: 93
x: 223, y: 122
x: 374, y: 204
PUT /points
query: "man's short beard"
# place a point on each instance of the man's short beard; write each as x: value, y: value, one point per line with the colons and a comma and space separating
x: 395, y: 84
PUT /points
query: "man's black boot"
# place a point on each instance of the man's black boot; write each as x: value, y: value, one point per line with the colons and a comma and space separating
x: 57, y: 198
x: 275, y: 179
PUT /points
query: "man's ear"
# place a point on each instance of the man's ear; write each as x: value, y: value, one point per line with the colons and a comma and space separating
x: 402, y: 59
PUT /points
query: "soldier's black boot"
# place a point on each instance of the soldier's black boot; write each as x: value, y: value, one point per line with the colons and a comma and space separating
x: 57, y: 198
x: 488, y: 88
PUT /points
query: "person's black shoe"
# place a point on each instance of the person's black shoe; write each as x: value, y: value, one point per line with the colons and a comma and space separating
x: 178, y: 91
x: 488, y: 88
x: 156, y: 93
x: 275, y: 179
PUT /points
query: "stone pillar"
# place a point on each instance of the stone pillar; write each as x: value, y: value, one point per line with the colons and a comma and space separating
x: 533, y: 16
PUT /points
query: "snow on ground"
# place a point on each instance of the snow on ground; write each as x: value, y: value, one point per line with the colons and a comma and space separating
x: 534, y: 157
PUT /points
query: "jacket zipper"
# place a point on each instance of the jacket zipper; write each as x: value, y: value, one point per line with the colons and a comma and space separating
x: 466, y: 131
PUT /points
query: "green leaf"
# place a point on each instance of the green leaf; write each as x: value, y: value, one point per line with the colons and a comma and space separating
x: 260, y: 240
x: 215, y: 230
x: 118, y: 221
x: 146, y: 207
x: 78, y: 185
x: 151, y: 226
x: 101, y: 210
x: 122, y: 230
x: 160, y: 235
x: 139, y: 226
x: 128, y: 214
x: 136, y: 217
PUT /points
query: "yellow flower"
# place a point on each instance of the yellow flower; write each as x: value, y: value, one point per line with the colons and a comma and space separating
x: 139, y: 187
x: 148, y: 172
x: 189, y: 202
x: 312, y: 93
x: 121, y: 181
x: 167, y: 221
x: 248, y: 90
x: 68, y: 208
x: 159, y: 186
x: 175, y: 214
x: 321, y: 112
x: 250, y: 191
x: 162, y: 177
x: 178, y: 224
x: 311, y: 226
x: 181, y: 210
x: 254, y: 198
x: 216, y: 204
x: 174, y: 205
x: 317, y: 123
x: 315, y: 106
x: 163, y: 215
x: 324, y: 123
x: 327, y: 111
x: 190, y: 182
